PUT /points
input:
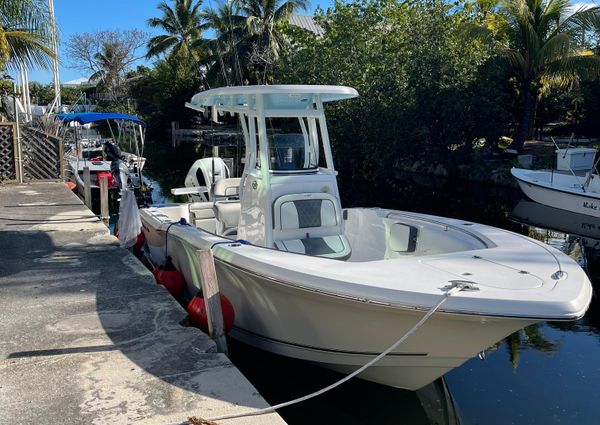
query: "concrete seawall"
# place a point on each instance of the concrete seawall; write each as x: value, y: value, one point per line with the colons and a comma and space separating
x: 87, y: 336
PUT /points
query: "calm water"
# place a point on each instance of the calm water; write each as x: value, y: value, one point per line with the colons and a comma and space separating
x: 545, y: 374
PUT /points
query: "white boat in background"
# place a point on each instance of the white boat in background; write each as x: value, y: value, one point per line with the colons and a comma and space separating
x: 86, y: 150
x: 311, y: 280
x: 574, y: 186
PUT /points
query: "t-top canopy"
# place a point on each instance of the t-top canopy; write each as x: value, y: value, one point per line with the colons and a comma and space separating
x: 274, y: 97
x: 88, y: 117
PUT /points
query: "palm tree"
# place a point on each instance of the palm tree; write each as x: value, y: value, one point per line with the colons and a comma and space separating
x: 262, y: 24
x: 539, y: 42
x: 110, y: 69
x: 24, y: 34
x: 228, y: 49
x: 183, y: 25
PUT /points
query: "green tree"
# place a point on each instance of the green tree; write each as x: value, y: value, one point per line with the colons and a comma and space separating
x: 162, y: 92
x: 425, y: 95
x: 228, y: 50
x: 24, y: 34
x: 540, y: 43
x: 41, y: 94
x: 183, y: 26
x: 109, y: 74
x: 264, y: 21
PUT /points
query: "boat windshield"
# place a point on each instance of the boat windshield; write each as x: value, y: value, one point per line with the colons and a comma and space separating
x: 291, y: 147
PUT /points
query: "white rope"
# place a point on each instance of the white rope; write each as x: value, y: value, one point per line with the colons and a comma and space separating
x: 454, y: 287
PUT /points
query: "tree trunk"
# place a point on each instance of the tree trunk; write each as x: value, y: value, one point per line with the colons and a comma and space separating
x: 525, y: 121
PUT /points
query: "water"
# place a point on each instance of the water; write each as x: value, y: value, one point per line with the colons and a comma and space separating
x: 545, y: 374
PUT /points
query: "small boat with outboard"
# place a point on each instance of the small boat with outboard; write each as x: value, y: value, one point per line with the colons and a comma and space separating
x: 106, y: 156
x: 336, y: 286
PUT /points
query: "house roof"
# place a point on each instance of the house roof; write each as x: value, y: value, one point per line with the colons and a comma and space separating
x: 306, y: 22
x: 78, y: 82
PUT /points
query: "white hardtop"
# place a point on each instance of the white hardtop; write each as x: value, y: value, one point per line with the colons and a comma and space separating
x: 277, y: 96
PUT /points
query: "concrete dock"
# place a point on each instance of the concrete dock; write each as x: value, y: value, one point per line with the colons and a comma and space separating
x: 87, y: 336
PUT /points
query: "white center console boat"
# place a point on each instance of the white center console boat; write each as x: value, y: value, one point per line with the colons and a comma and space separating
x: 312, y: 280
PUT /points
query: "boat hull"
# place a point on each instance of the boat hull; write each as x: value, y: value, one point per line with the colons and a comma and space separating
x: 301, y: 324
x: 569, y: 199
x: 339, y: 333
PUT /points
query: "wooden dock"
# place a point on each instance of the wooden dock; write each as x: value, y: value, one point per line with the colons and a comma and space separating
x: 87, y: 336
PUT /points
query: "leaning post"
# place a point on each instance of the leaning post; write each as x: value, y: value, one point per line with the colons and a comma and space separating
x: 87, y: 187
x: 104, y: 199
x: 212, y: 300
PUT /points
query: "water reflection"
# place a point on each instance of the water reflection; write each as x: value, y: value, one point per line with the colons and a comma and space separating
x: 534, y: 214
x: 281, y: 379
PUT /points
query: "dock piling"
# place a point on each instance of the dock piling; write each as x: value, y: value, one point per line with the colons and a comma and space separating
x: 104, y: 214
x: 87, y: 187
x: 212, y: 300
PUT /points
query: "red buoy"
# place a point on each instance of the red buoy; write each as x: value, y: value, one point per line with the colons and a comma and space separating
x: 139, y: 242
x: 110, y: 180
x: 72, y: 185
x: 197, y: 311
x: 168, y: 276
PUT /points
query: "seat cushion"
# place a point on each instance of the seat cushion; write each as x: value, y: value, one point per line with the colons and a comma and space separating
x: 335, y: 246
x: 228, y: 213
x: 202, y: 210
x: 306, y: 211
x: 226, y: 188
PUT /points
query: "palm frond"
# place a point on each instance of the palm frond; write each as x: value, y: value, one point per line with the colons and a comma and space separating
x: 563, y: 71
x: 160, y: 44
x: 472, y: 31
x: 559, y: 46
x: 515, y: 62
x: 586, y: 19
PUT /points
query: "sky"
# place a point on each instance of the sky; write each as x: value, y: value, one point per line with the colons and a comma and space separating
x: 78, y: 16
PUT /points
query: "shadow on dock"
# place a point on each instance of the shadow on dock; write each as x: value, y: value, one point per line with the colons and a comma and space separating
x: 88, y: 336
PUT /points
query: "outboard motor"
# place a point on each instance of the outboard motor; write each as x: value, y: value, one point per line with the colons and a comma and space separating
x: 118, y: 167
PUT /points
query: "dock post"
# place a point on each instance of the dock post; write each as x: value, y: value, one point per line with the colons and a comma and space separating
x: 174, y: 127
x: 104, y: 214
x: 87, y: 187
x: 212, y: 300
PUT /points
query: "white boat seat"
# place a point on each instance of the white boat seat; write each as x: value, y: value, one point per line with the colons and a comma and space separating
x: 226, y: 207
x: 202, y: 215
x: 310, y: 223
x: 227, y: 188
x: 227, y: 214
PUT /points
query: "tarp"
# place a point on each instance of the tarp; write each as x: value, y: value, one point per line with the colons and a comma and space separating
x: 88, y: 117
